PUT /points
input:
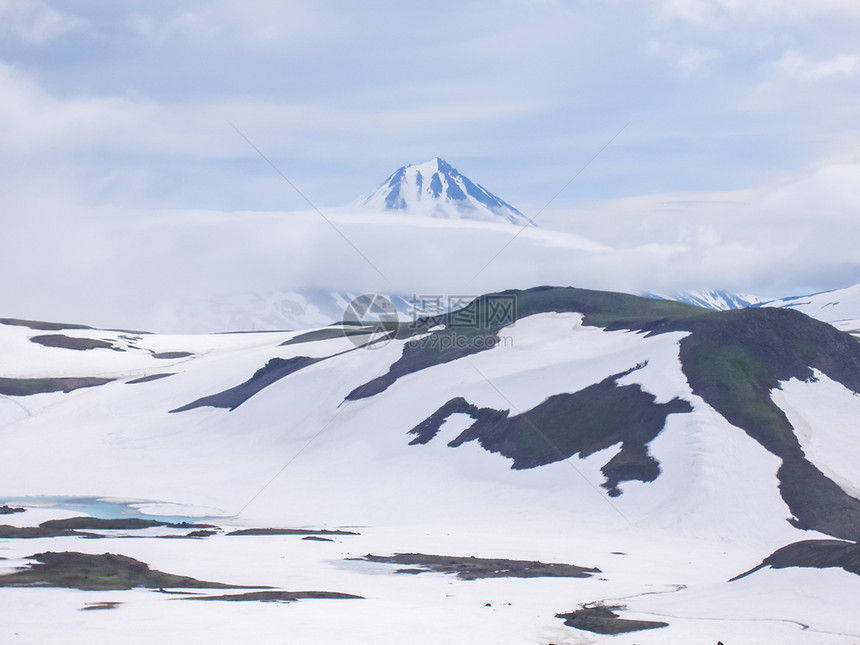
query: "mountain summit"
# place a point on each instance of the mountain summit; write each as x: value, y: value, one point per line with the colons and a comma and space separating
x: 436, y: 189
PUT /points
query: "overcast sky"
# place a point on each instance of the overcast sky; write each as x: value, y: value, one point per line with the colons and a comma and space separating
x: 739, y: 166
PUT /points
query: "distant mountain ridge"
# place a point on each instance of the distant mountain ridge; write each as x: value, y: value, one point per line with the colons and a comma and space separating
x: 839, y: 307
x: 306, y: 308
x: 287, y: 310
x: 718, y: 299
x: 436, y: 189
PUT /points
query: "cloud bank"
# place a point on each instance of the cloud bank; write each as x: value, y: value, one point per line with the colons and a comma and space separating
x: 125, y: 191
x: 111, y: 267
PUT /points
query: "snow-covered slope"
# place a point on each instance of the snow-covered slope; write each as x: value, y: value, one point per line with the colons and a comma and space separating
x: 840, y: 307
x: 640, y: 437
x: 436, y: 189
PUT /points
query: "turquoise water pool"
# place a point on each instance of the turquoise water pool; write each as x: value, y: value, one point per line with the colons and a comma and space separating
x: 103, y: 507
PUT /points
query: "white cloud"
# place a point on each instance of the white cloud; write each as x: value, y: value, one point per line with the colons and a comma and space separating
x: 825, y: 111
x: 795, y: 239
x: 31, y: 119
x: 224, y: 23
x: 338, y: 95
x: 118, y: 267
x: 188, y: 147
x: 689, y: 59
x: 719, y: 14
x: 34, y: 22
x: 181, y: 24
x: 794, y: 63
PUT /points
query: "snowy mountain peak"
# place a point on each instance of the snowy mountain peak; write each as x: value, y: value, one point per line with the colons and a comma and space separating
x: 436, y: 189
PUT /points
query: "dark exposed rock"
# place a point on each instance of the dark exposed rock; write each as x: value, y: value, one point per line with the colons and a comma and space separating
x: 201, y: 534
x: 39, y: 325
x: 30, y: 386
x: 818, y: 554
x: 94, y: 606
x: 563, y: 425
x: 472, y: 568
x: 602, y: 619
x: 147, y: 379
x: 98, y: 572
x: 119, y: 524
x: 273, y: 371
x: 280, y: 596
x: 78, y: 526
x: 291, y: 532
x: 69, y: 342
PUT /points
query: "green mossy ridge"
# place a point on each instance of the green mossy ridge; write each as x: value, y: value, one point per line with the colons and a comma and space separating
x: 736, y: 359
x: 817, y: 554
x: 68, y: 342
x: 99, y: 573
x: 609, y: 310
x: 732, y: 359
x: 733, y: 380
x: 599, y: 309
x: 472, y: 568
x: 30, y: 386
x: 601, y: 619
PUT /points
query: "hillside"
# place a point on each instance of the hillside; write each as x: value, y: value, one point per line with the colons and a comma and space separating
x: 656, y: 449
